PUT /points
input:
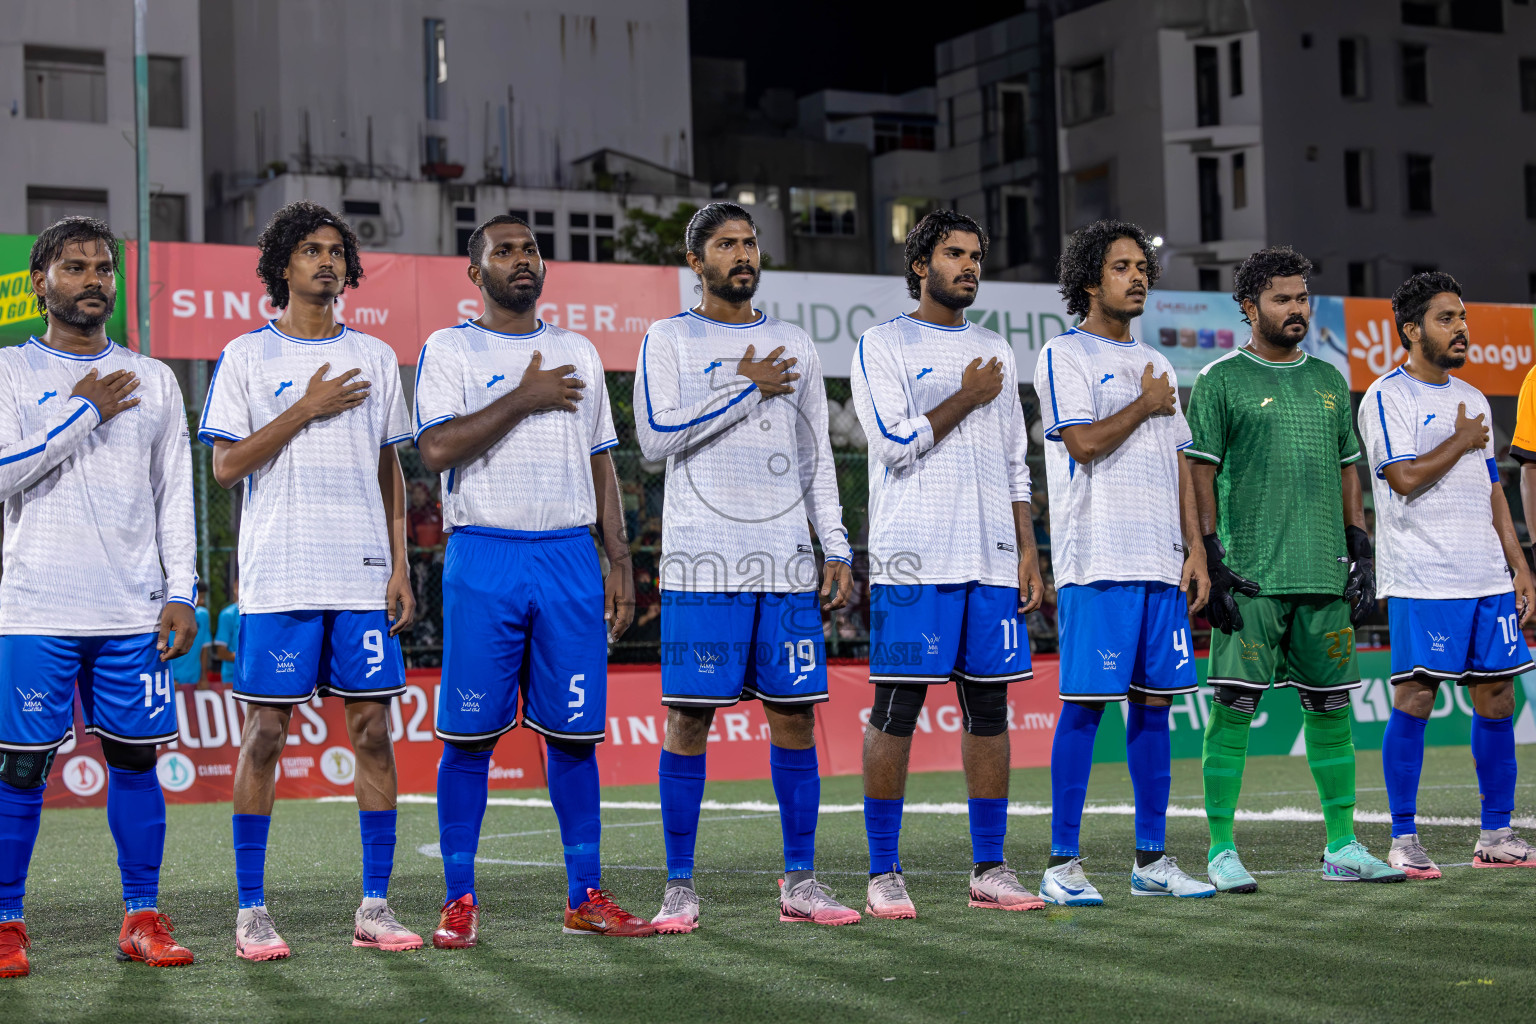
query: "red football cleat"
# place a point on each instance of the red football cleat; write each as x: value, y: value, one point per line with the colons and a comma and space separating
x: 601, y: 916
x: 146, y: 937
x: 13, y: 950
x: 459, y: 926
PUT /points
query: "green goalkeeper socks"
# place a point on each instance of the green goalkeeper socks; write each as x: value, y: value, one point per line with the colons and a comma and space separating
x: 1226, y: 752
x: 1331, y: 756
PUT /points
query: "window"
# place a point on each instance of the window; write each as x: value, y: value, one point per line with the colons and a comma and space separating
x: 545, y: 239
x: 435, y: 37
x: 949, y: 119
x: 1235, y: 67
x: 893, y: 135
x: 1014, y: 102
x: 1362, y: 279
x: 168, y: 218
x: 1530, y: 191
x: 1085, y: 92
x: 1017, y: 231
x: 1420, y: 174
x: 1209, y: 174
x: 581, y: 241
x: 1207, y: 86
x: 1088, y: 196
x: 1413, y: 64
x: 167, y: 105
x: 1208, y: 279
x: 46, y: 205
x: 818, y: 211
x: 905, y: 213
x: 1528, y: 85
x: 1467, y: 15
x: 1358, y: 180
x: 66, y: 85
x: 464, y: 224
x: 1239, y: 181
x: 1354, y: 81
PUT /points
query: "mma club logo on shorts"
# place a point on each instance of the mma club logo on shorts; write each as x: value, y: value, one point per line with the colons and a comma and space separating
x: 469, y: 700
x: 1110, y: 659
x: 933, y: 643
x: 31, y: 700
x: 1250, y: 651
x: 285, y: 660
x: 1437, y: 642
x: 707, y: 660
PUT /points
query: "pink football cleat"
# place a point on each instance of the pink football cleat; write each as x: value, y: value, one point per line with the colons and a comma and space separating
x: 811, y: 901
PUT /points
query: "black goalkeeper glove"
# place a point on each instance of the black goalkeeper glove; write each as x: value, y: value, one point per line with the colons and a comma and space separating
x: 1221, y: 609
x: 1360, y: 591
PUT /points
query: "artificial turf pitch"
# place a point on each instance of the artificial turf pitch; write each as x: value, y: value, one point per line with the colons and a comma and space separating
x: 1301, y: 949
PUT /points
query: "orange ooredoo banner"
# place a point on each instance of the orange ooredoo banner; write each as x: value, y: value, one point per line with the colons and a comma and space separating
x: 1501, y: 341
x: 203, y: 296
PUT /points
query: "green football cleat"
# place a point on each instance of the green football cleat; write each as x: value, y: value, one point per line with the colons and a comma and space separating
x: 1227, y: 874
x: 1354, y: 863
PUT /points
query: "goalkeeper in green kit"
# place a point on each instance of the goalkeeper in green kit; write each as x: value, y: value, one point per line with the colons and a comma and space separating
x: 1290, y: 562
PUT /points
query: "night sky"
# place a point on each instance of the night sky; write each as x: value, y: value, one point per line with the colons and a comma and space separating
x: 808, y: 45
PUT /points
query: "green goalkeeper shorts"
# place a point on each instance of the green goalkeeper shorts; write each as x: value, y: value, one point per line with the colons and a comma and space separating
x: 1301, y: 640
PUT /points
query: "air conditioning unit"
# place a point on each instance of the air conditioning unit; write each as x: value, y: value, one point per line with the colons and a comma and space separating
x: 370, y: 230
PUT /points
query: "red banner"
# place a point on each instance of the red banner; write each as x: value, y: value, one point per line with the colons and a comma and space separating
x: 318, y: 761
x: 202, y: 296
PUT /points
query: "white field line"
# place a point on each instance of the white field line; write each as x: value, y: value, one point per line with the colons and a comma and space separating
x: 1288, y: 814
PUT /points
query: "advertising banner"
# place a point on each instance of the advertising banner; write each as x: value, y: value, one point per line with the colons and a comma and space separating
x: 19, y: 319
x: 1501, y: 341
x: 1194, y: 328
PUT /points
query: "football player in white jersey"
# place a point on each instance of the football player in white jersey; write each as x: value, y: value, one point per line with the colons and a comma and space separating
x: 527, y: 611
x: 100, y: 549
x: 749, y: 460
x: 952, y: 560
x: 1126, y: 550
x: 324, y: 585
x: 1445, y: 552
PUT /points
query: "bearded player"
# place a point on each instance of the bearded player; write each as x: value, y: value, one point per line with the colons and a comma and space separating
x: 324, y: 585
x: 100, y: 549
x: 527, y: 610
x: 1125, y: 548
x: 953, y: 566
x: 1289, y: 560
x: 1447, y: 550
x: 748, y: 461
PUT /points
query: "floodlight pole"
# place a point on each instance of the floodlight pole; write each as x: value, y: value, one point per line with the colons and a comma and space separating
x: 141, y: 150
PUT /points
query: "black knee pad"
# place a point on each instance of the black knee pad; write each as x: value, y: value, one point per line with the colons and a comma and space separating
x: 1239, y: 699
x: 1319, y: 701
x: 983, y: 707
x: 896, y: 707
x: 474, y: 747
x: 25, y: 769
x: 128, y: 757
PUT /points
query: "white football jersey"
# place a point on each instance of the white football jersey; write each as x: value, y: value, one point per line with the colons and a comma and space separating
x: 99, y: 530
x: 1117, y: 517
x: 1439, y: 541
x: 939, y: 513
x: 538, y: 476
x: 744, y: 472
x: 313, y: 531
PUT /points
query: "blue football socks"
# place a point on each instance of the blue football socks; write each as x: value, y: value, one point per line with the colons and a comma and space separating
x: 1493, y: 748
x: 989, y: 825
x: 378, y: 833
x: 1148, y: 753
x: 573, y: 789
x: 682, y: 792
x: 250, y: 832
x: 797, y: 785
x: 1071, y: 763
x: 882, y: 824
x: 21, y: 812
x: 462, y: 780
x: 136, y: 818
x: 1402, y: 761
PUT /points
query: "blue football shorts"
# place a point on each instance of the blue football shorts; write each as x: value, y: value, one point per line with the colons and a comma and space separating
x: 718, y: 647
x: 289, y: 657
x: 126, y: 691
x: 1118, y: 637
x: 1468, y: 640
x: 935, y: 632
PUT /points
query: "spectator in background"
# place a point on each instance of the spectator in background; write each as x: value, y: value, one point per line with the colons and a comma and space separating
x: 425, y: 522
x: 226, y: 639
x: 647, y: 625
x: 192, y: 667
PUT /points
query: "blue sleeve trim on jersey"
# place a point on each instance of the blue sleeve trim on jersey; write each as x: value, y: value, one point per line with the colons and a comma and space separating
x: 391, y: 442
x: 878, y: 421
x: 421, y: 361
x: 649, y: 412
x: 423, y: 428
x: 1054, y: 434
x: 202, y: 424
x: 182, y: 600
x: 1381, y: 468
x: 1381, y: 411
x: 206, y: 435
x: 1050, y: 377
x: 1493, y: 469
x: 39, y: 449
x: 1071, y: 467
x: 605, y: 446
x: 72, y: 417
x: 453, y: 473
x: 1181, y: 447
x: 90, y: 403
x: 23, y: 455
x: 836, y: 558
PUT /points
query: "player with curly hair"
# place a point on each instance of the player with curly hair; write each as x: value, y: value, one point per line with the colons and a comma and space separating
x: 1128, y: 558
x: 1291, y: 577
x: 324, y: 585
x: 1457, y: 598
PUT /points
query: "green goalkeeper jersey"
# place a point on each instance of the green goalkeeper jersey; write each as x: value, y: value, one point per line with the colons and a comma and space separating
x: 1278, y: 433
